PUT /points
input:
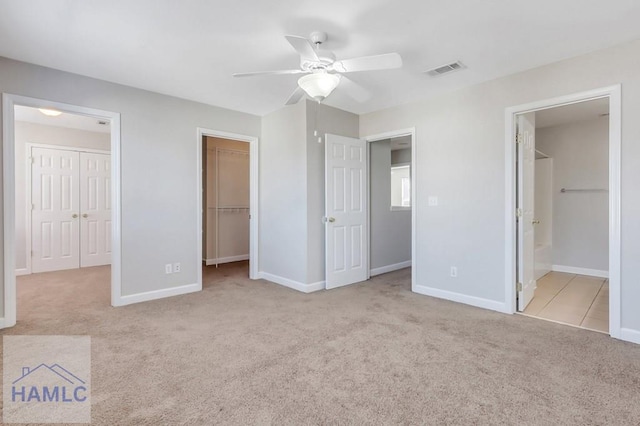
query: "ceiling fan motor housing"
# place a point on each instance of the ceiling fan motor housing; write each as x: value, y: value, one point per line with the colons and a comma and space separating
x: 318, y: 37
x: 326, y: 58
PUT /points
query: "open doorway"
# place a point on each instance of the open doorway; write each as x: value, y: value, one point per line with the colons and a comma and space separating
x: 62, y: 176
x: 390, y: 204
x: 228, y: 196
x: 366, y: 233
x: 566, y: 197
x: 226, y: 199
x: 61, y: 207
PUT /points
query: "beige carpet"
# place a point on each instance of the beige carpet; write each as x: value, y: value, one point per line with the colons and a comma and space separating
x: 243, y: 352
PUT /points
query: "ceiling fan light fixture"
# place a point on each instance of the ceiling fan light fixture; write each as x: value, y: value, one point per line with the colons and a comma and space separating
x: 50, y: 112
x: 319, y: 85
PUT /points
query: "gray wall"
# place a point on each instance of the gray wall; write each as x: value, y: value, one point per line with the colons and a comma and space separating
x: 390, y: 230
x: 580, y: 219
x: 49, y: 135
x: 292, y: 188
x: 460, y: 155
x: 158, y: 160
x: 283, y: 193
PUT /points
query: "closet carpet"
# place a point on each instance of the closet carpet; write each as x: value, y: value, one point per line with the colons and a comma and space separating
x: 252, y: 352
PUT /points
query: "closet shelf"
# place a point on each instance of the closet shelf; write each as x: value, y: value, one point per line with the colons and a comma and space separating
x: 229, y: 207
x: 584, y: 190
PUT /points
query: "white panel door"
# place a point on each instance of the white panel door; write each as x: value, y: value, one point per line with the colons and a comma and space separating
x: 95, y: 209
x: 346, y: 216
x: 55, y: 211
x: 526, y: 191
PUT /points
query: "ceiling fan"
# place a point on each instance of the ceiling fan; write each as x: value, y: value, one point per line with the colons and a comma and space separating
x: 324, y: 72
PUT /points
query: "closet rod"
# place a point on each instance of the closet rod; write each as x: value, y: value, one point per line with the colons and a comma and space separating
x: 584, y: 190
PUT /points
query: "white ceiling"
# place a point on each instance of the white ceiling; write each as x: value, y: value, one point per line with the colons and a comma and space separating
x: 573, y: 113
x: 190, y: 49
x: 70, y: 121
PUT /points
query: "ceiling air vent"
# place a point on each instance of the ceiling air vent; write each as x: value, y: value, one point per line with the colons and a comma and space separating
x: 445, y: 69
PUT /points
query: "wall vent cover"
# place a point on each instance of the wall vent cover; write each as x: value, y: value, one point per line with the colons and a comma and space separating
x: 445, y: 69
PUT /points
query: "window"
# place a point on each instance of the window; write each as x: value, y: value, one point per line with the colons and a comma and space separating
x: 401, y: 187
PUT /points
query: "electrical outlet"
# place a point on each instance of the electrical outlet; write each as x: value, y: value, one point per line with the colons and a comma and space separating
x: 454, y: 271
x: 432, y: 201
x: 176, y: 267
x: 168, y: 269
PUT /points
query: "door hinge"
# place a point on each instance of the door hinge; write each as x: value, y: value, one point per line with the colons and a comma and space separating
x: 519, y: 286
x: 33, y: 207
x: 519, y: 138
x: 518, y: 212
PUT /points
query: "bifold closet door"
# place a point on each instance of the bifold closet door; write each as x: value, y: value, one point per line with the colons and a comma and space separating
x: 95, y: 207
x: 55, y: 210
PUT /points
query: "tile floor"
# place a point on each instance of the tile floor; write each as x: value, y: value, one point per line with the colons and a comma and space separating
x: 578, y: 300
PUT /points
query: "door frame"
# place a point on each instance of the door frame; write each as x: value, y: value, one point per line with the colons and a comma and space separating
x: 9, y: 189
x: 411, y: 131
x: 254, y: 196
x: 614, y: 93
x: 28, y: 189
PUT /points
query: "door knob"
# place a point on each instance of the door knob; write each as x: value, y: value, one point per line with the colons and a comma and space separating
x: 535, y: 222
x: 85, y: 215
x: 74, y: 216
x: 332, y: 219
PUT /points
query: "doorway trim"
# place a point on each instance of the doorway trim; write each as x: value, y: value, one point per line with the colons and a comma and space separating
x: 9, y: 188
x: 28, y: 188
x: 254, y: 196
x: 614, y: 93
x: 411, y: 131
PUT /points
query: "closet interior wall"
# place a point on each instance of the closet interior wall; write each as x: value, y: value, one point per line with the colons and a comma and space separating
x: 226, y: 201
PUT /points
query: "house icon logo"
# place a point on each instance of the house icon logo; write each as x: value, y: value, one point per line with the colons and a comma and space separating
x: 48, y: 383
x: 46, y: 379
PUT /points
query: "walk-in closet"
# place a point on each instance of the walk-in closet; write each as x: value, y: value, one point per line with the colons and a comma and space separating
x: 226, y: 201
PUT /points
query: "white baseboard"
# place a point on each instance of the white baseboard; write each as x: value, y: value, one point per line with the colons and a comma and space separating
x: 389, y: 268
x: 462, y: 298
x: 227, y: 259
x: 4, y: 323
x: 630, y: 335
x: 305, y: 288
x: 580, y: 271
x: 22, y: 271
x: 157, y: 294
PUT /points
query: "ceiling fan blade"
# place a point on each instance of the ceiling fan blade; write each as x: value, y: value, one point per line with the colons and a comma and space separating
x: 369, y: 63
x: 280, y: 72
x: 354, y: 90
x: 295, y: 96
x: 303, y: 47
